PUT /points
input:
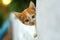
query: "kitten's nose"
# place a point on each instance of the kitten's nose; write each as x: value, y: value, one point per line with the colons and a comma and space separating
x: 32, y: 22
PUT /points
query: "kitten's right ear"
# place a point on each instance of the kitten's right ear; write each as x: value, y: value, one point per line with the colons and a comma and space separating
x: 18, y: 15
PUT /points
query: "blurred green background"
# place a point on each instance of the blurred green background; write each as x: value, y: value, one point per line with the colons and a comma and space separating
x: 15, y: 5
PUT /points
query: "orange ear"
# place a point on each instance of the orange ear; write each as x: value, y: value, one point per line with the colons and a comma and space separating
x: 17, y: 14
x: 32, y: 6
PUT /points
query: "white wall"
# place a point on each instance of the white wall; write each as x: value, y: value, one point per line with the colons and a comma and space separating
x: 48, y: 19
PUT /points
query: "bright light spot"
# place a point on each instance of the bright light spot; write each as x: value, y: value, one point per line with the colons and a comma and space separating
x: 6, y: 2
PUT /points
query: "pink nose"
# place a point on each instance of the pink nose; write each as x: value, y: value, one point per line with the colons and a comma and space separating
x: 32, y: 23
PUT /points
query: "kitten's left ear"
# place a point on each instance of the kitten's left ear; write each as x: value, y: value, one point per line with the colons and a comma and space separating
x: 32, y: 6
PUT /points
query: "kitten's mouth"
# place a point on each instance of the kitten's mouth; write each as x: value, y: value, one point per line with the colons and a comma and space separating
x: 33, y: 23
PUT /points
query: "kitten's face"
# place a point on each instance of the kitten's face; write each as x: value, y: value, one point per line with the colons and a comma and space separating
x: 28, y: 16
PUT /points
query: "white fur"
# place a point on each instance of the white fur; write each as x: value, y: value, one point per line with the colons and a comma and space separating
x: 21, y: 31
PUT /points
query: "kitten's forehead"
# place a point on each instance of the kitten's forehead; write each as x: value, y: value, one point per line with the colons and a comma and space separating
x: 30, y: 11
x: 28, y: 14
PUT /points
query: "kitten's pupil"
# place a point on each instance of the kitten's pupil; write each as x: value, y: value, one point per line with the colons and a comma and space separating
x: 27, y: 20
x: 33, y: 16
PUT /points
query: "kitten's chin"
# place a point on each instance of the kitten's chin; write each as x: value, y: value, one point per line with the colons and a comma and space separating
x: 29, y: 24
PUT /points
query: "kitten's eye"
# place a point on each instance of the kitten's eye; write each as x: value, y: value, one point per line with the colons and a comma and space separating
x: 33, y: 16
x: 26, y: 20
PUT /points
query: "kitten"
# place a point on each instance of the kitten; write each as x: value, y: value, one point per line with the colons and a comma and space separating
x: 28, y: 16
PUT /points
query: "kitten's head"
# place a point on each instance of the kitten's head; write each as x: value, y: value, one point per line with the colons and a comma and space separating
x: 28, y: 15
